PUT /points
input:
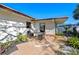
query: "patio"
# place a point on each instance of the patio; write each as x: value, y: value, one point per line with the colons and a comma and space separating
x: 34, y: 47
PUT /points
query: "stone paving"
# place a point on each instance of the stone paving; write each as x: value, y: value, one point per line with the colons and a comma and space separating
x: 47, y: 46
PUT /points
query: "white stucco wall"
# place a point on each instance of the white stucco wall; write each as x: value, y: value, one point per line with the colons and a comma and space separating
x: 50, y: 29
x: 36, y: 27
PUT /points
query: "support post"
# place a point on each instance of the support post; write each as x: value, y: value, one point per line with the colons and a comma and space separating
x: 55, y: 25
x: 55, y: 30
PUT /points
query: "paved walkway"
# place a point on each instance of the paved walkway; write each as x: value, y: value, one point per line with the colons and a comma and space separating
x: 34, y: 47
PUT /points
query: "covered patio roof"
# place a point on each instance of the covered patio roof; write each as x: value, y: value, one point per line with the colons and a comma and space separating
x: 51, y: 20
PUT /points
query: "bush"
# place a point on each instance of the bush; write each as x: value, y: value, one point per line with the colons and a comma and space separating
x: 74, y: 42
x: 73, y: 52
x: 1, y: 44
x: 60, y: 34
x: 7, y: 44
x: 21, y: 38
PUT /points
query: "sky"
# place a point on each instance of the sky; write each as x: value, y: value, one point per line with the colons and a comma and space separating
x: 46, y: 10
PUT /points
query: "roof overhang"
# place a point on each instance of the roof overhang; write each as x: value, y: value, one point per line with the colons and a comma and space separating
x: 7, y: 13
x: 51, y: 20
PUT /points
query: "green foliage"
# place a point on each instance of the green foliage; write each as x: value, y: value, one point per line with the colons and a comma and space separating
x: 7, y: 44
x: 21, y: 38
x: 69, y: 52
x: 74, y: 42
x: 1, y: 44
x: 73, y: 52
x: 60, y: 34
x: 76, y: 13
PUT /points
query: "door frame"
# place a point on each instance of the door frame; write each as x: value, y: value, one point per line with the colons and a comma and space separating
x: 43, y: 26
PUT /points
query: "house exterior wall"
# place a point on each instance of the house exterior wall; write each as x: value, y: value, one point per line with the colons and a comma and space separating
x: 50, y: 29
x: 9, y: 30
x: 35, y: 27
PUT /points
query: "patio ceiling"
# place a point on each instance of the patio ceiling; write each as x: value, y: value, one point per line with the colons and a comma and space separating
x: 9, y: 14
x: 51, y: 20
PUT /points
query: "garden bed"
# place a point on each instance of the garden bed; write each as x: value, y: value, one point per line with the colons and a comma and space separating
x: 5, y: 47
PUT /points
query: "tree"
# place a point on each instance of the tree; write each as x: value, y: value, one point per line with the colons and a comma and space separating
x: 76, y: 13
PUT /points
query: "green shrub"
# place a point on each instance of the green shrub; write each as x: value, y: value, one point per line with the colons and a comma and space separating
x: 21, y: 38
x: 8, y: 44
x: 1, y: 44
x: 74, y: 42
x: 17, y: 41
x: 60, y: 34
x: 24, y: 37
x: 73, y: 52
